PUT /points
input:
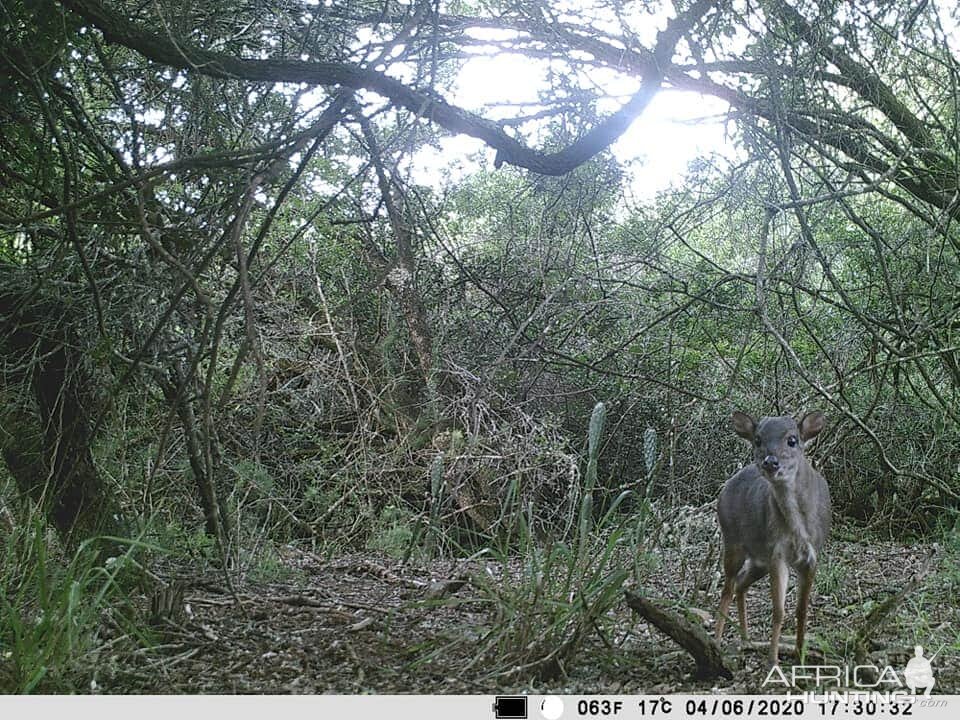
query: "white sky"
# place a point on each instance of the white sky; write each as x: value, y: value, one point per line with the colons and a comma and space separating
x: 675, y: 128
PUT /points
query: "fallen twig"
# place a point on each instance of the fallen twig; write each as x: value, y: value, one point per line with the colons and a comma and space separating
x: 692, y: 638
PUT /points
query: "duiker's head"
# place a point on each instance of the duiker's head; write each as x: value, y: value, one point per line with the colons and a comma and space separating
x: 778, y: 442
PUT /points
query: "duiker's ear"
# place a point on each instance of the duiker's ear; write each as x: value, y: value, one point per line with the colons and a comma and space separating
x: 811, y: 425
x: 743, y: 425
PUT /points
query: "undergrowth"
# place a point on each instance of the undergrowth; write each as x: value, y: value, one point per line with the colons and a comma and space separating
x: 553, y: 592
x: 53, y: 609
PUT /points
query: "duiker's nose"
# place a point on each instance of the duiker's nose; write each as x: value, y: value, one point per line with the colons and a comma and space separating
x: 770, y: 462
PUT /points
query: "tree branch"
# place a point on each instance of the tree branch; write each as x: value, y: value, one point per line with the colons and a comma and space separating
x: 186, y: 56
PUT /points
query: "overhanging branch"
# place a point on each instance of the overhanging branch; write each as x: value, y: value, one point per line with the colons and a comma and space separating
x: 186, y: 56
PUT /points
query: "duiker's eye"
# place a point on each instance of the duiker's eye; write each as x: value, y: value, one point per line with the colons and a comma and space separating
x: 756, y: 441
x: 792, y: 441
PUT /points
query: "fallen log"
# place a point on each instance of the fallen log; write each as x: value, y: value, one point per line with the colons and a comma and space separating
x: 692, y: 638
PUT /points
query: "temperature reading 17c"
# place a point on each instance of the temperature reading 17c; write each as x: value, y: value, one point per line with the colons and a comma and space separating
x: 654, y: 706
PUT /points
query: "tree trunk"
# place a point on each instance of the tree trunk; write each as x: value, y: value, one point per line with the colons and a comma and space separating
x: 48, y: 401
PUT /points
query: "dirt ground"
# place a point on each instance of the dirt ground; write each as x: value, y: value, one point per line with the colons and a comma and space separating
x: 364, y: 624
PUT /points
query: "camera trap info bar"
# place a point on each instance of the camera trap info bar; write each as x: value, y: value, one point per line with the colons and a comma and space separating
x: 510, y: 707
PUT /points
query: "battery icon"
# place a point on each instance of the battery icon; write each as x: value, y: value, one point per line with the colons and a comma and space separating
x: 510, y: 706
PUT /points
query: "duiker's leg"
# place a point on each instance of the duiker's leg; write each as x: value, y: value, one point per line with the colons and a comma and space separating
x: 742, y: 612
x: 779, y: 575
x: 725, y: 597
x: 805, y: 584
x: 747, y: 576
x: 732, y: 561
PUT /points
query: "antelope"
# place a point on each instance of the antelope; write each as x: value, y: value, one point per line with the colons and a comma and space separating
x: 774, y: 515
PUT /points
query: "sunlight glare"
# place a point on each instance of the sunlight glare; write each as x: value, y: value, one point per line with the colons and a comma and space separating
x: 676, y: 128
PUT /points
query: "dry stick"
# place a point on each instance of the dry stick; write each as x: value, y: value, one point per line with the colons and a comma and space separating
x: 7, y: 521
x: 875, y: 619
x: 249, y: 309
x: 692, y: 638
x: 341, y: 355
